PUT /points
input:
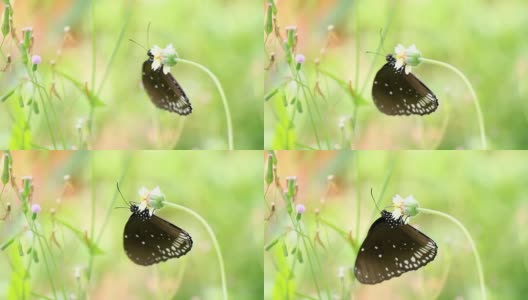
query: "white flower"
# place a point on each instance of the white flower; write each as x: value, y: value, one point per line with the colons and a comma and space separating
x: 397, y: 202
x: 404, y: 207
x: 157, y: 56
x: 341, y: 272
x: 80, y: 123
x: 400, y: 54
x: 406, y: 57
x: 169, y: 50
x: 148, y: 198
x: 163, y: 57
x: 412, y: 49
x: 77, y: 273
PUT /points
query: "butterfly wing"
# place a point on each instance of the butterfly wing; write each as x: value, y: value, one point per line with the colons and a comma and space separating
x: 390, y: 249
x: 151, y: 240
x: 164, y: 91
x: 397, y: 93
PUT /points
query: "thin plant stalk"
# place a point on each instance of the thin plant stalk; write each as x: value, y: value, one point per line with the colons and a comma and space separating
x: 128, y: 15
x: 222, y: 96
x: 94, y: 64
x: 92, y: 215
x: 213, y: 238
x: 473, y: 95
x: 471, y: 242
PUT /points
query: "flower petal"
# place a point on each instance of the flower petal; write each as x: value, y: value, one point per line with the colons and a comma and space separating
x: 143, y: 192
x: 398, y: 64
x: 408, y: 69
x: 166, y: 69
x: 409, y: 198
x: 397, y: 200
x: 399, y: 50
x: 397, y: 213
x: 142, y: 206
x: 156, y: 191
x: 169, y: 50
x: 156, y: 64
x: 156, y: 51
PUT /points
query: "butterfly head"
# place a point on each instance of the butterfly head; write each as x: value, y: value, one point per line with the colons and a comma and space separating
x: 143, y: 215
x: 150, y: 55
x: 390, y: 58
x: 391, y: 220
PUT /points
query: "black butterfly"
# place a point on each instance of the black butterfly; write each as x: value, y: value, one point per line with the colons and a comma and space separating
x: 163, y: 90
x: 392, y: 248
x: 149, y: 239
x: 397, y: 93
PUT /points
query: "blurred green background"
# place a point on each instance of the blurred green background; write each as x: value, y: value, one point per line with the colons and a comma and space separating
x: 223, y: 187
x: 486, y: 40
x: 220, y: 35
x: 486, y: 191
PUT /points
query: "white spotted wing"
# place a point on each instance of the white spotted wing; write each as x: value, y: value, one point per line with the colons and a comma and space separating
x: 397, y: 93
x: 150, y: 239
x: 163, y: 90
x: 392, y: 248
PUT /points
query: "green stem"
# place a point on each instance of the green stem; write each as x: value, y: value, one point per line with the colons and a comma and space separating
x: 471, y: 242
x: 92, y: 215
x: 222, y: 95
x: 473, y: 95
x: 128, y: 15
x: 213, y: 238
x: 94, y: 63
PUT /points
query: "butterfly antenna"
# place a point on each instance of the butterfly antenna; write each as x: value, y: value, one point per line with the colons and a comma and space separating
x: 372, y: 195
x: 138, y: 44
x: 370, y: 52
x: 148, y: 33
x: 128, y: 203
x: 382, y: 39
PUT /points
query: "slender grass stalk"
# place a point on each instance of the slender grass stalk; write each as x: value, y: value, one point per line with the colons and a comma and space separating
x: 299, y: 81
x: 358, y: 198
x: 298, y: 226
x: 213, y: 238
x: 92, y: 216
x: 357, y: 40
x: 471, y: 242
x: 473, y: 95
x: 126, y: 166
x: 94, y: 64
x: 222, y: 96
x: 43, y: 97
x: 128, y: 15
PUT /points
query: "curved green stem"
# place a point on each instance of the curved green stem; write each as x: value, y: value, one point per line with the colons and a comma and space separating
x: 471, y: 242
x: 213, y: 238
x: 473, y: 95
x: 222, y: 95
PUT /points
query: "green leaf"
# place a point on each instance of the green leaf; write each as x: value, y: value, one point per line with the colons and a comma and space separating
x: 92, y: 98
x: 90, y: 245
x: 7, y: 243
x: 8, y: 94
x: 299, y: 107
x: 271, y: 94
x: 358, y: 99
x: 18, y: 287
x: 272, y: 243
x: 342, y: 233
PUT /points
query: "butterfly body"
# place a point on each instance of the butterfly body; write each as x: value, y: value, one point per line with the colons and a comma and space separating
x: 397, y: 93
x: 392, y: 248
x: 149, y: 239
x: 163, y: 90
